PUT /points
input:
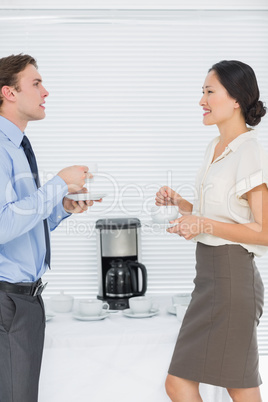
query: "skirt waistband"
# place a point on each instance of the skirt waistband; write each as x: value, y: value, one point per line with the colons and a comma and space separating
x: 222, y: 250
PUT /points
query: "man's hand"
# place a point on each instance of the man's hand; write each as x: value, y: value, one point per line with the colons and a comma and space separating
x: 76, y: 207
x: 74, y: 177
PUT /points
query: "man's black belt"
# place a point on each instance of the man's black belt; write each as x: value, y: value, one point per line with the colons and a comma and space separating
x: 33, y: 289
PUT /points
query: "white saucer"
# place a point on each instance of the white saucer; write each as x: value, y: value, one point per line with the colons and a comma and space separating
x: 152, y: 224
x: 49, y: 317
x: 151, y: 313
x: 80, y: 317
x: 172, y: 310
x: 86, y: 196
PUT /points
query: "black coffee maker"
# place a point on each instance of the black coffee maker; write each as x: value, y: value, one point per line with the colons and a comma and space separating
x: 120, y: 274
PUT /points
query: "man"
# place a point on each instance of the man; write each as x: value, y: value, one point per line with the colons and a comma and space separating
x: 27, y: 213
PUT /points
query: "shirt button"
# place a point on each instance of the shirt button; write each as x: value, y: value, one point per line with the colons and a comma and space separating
x: 59, y: 216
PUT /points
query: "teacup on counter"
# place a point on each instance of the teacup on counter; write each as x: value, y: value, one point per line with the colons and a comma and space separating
x: 140, y: 304
x: 181, y: 298
x: 92, y: 307
x: 61, y: 303
x: 180, y: 303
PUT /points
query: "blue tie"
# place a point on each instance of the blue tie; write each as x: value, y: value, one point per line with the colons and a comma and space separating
x: 33, y: 165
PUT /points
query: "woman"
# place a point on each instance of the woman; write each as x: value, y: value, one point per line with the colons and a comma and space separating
x: 229, y: 221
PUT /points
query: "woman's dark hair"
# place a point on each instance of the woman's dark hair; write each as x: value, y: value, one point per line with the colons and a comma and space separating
x: 240, y: 82
x: 10, y: 67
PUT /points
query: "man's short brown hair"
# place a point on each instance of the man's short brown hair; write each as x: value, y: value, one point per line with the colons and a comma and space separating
x: 10, y: 67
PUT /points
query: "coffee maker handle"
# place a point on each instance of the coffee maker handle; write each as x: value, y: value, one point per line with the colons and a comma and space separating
x: 144, y: 277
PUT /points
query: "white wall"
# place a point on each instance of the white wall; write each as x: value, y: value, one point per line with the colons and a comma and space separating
x: 136, y: 5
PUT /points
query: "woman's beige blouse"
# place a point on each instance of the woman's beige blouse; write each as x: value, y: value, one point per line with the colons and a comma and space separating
x: 221, y: 186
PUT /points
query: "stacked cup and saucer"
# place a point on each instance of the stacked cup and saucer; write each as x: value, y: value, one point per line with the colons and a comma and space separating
x: 180, y: 303
x: 91, y: 310
x: 161, y: 217
x: 89, y: 192
x: 141, y: 307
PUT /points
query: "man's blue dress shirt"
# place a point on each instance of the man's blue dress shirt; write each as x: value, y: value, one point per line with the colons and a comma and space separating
x: 23, y: 208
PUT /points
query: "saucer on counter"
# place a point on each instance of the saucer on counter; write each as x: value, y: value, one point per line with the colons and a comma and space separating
x: 49, y: 317
x: 172, y: 310
x: 81, y: 317
x: 128, y: 313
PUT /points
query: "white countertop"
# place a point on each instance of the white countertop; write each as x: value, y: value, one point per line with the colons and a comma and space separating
x: 117, y: 359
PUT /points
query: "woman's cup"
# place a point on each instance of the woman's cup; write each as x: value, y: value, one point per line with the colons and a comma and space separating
x: 164, y: 213
x: 92, y: 307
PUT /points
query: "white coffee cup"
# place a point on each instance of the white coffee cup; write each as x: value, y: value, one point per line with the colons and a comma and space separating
x: 140, y: 304
x: 62, y: 303
x: 181, y: 298
x: 92, y: 307
x: 180, y: 303
x: 181, y: 310
x: 93, y: 169
x: 164, y: 214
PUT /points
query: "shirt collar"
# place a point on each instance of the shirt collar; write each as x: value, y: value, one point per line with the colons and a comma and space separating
x: 235, y: 144
x: 11, y: 131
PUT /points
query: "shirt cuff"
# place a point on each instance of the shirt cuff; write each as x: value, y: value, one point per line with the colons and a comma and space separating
x: 247, y: 184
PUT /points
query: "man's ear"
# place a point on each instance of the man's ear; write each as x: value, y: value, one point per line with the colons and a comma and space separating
x: 8, y: 93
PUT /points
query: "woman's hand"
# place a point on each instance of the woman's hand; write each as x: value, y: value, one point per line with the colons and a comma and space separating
x: 167, y: 196
x: 188, y: 226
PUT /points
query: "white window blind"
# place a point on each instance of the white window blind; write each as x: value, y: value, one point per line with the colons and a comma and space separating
x: 124, y: 92
x: 135, y: 5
